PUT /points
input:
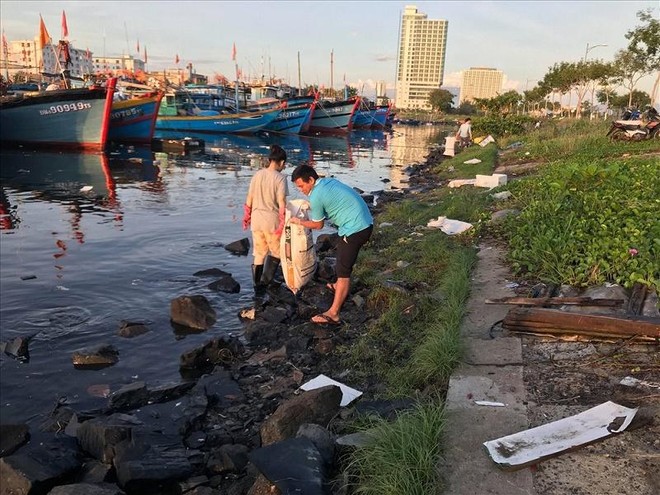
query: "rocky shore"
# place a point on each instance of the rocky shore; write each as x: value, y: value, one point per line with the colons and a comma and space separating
x: 238, y: 422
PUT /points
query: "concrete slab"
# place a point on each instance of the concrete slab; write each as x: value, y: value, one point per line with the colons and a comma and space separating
x: 493, y: 352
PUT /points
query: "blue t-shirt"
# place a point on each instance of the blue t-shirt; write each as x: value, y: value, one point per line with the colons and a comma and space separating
x: 341, y: 205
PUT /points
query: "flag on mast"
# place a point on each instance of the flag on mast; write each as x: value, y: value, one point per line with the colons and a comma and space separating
x: 44, y: 37
x: 233, y: 52
x: 137, y: 49
x: 145, y: 54
x: 65, y: 28
x: 176, y: 59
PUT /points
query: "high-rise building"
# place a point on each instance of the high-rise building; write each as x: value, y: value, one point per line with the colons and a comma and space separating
x: 481, y: 82
x: 421, y: 58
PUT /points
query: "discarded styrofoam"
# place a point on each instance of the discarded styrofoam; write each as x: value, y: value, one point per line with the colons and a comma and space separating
x: 631, y: 381
x: 348, y: 394
x: 490, y: 181
x: 473, y: 161
x: 86, y: 188
x: 461, y: 182
x: 449, y: 226
x: 489, y: 403
x: 486, y: 141
x: 450, y: 142
x: 531, y: 446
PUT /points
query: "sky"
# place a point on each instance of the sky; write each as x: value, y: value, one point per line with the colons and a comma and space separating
x: 521, y: 38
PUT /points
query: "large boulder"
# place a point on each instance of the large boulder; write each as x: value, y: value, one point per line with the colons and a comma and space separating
x: 12, y: 437
x: 192, y: 311
x: 86, y: 489
x: 98, y: 356
x: 240, y: 247
x: 100, y: 436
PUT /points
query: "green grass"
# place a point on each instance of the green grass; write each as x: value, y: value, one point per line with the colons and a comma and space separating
x: 402, y: 456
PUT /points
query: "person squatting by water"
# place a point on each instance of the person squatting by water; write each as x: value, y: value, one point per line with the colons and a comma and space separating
x: 338, y: 203
x: 264, y: 211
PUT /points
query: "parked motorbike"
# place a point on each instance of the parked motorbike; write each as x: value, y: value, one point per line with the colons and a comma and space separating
x: 636, y: 130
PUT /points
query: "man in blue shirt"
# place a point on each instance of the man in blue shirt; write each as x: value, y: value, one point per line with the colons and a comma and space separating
x: 338, y: 203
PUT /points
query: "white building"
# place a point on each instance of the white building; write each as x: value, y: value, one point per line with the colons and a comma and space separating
x: 117, y: 64
x: 481, y: 82
x: 28, y: 56
x: 421, y: 58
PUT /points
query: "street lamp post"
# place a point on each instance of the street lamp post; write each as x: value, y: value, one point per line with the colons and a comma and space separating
x: 589, y: 48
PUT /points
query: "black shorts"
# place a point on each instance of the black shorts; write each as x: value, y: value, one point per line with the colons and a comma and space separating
x: 348, y: 249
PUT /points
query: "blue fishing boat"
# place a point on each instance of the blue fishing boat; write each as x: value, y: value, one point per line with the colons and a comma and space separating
x: 333, y: 116
x: 362, y: 118
x: 379, y: 115
x: 67, y: 118
x: 247, y: 122
x: 296, y: 117
x: 134, y: 120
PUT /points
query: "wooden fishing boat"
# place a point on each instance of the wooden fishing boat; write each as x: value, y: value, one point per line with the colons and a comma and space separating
x: 296, y: 117
x: 334, y: 116
x: 246, y: 122
x: 379, y: 115
x: 134, y: 120
x: 67, y: 118
x: 363, y: 117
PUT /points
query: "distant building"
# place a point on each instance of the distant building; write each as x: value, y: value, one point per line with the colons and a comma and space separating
x: 421, y: 58
x: 381, y: 93
x: 117, y: 64
x: 29, y: 57
x: 480, y: 82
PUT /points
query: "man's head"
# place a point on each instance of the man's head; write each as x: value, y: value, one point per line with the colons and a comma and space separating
x: 277, y: 155
x: 304, y: 177
x: 468, y: 120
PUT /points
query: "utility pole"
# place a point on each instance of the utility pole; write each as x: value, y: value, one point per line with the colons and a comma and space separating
x: 332, y: 68
x: 299, y: 78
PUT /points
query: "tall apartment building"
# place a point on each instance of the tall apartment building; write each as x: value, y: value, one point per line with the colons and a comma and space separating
x: 480, y: 82
x: 421, y: 58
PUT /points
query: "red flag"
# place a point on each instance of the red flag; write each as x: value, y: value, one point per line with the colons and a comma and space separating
x: 233, y: 52
x: 65, y: 28
x: 88, y: 54
x: 44, y: 37
x: 138, y: 46
x: 176, y: 59
x: 145, y: 54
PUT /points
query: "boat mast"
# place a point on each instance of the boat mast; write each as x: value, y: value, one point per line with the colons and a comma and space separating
x: 299, y: 83
x: 332, y: 68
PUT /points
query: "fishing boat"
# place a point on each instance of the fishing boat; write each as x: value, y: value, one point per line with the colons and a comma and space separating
x: 133, y: 120
x: 363, y: 117
x: 379, y: 115
x: 248, y: 122
x: 296, y: 117
x: 334, y: 116
x: 67, y: 118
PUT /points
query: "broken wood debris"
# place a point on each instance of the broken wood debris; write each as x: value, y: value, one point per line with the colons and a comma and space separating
x: 556, y: 301
x: 552, y: 321
x: 636, y: 301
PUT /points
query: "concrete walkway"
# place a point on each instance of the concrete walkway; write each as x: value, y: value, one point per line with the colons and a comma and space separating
x: 492, y: 371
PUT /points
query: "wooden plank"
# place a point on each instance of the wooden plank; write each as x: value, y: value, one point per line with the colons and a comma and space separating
x: 624, y: 326
x: 555, y: 332
x: 556, y: 301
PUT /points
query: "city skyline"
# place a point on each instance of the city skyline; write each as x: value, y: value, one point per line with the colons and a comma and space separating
x: 522, y: 39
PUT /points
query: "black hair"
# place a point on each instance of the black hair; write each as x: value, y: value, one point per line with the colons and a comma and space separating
x: 304, y: 172
x: 277, y: 154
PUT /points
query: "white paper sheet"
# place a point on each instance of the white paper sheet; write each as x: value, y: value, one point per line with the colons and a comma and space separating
x: 348, y: 394
x: 530, y: 446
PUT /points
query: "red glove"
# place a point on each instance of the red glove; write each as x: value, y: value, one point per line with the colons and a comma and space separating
x: 280, y: 227
x: 247, y: 216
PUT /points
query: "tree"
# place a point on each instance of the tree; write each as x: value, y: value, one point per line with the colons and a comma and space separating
x: 629, y: 68
x: 644, y: 42
x: 441, y: 100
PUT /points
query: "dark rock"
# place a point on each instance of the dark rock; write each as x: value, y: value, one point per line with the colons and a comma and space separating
x: 195, y: 440
x: 225, y: 284
x: 228, y: 459
x: 94, y: 472
x: 275, y: 314
x: 12, y: 437
x: 326, y: 242
x: 100, y: 436
x: 174, y: 418
x: 130, y: 329
x: 203, y: 490
x: 321, y: 438
x: 240, y: 247
x: 293, y: 465
x: 314, y: 406
x: 87, y: 489
x: 95, y: 357
x: 168, y: 391
x: 220, y: 388
x: 38, y: 467
x: 212, y: 272
x: 192, y: 311
x: 17, y: 348
x: 192, y: 483
x: 57, y: 419
x: 261, y: 332
x: 326, y: 269
x: 369, y: 198
x: 386, y: 409
x: 129, y: 396
x: 202, y: 360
